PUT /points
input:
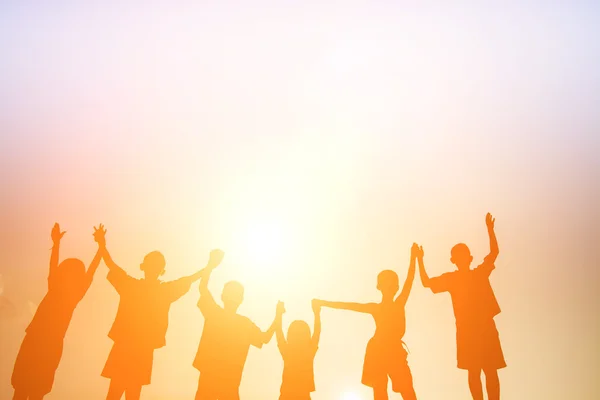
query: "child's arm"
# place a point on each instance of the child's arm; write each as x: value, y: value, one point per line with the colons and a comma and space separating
x: 100, y: 239
x: 56, y: 236
x: 215, y: 258
x: 489, y: 222
x: 317, y: 328
x: 403, y: 297
x: 422, y: 272
x: 268, y: 335
x: 367, y: 308
x: 281, y: 342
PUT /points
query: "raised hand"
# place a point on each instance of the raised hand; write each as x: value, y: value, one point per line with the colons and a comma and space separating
x: 489, y: 221
x: 216, y: 256
x: 100, y: 235
x: 280, y: 308
x: 414, y: 251
x: 421, y: 253
x: 56, y: 233
x: 316, y: 306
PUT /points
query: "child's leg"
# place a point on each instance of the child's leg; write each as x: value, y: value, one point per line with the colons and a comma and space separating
x: 492, y: 384
x: 475, y: 384
x: 380, y: 393
x: 133, y: 392
x: 20, y: 395
x: 115, y: 390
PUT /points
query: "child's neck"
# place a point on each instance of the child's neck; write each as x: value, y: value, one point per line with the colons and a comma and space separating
x: 387, y: 298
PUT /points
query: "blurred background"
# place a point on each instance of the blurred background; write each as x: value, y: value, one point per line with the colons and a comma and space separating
x: 314, y: 142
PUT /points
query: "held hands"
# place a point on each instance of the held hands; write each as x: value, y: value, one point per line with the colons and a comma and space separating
x: 100, y: 236
x: 414, y: 251
x: 216, y: 256
x: 57, y: 234
x: 316, y: 306
x: 489, y: 221
x: 280, y: 310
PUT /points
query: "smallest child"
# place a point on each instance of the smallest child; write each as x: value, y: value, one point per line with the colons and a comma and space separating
x: 298, y: 353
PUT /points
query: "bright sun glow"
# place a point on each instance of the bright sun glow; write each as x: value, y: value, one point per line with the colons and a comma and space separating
x: 350, y: 396
x: 265, y: 243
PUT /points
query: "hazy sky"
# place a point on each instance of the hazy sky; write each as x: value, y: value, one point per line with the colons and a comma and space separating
x: 313, y: 142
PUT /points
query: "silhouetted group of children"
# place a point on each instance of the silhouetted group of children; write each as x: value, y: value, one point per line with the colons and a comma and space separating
x: 142, y: 318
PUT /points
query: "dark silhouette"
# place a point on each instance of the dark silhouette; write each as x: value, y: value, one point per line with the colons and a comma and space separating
x: 385, y: 355
x: 475, y: 306
x: 41, y: 350
x: 142, y: 320
x: 298, y: 353
x: 225, y: 341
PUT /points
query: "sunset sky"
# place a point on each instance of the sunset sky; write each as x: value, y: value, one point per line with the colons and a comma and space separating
x: 313, y: 142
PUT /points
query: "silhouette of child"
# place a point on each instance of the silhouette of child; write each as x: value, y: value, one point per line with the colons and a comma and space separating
x: 475, y: 306
x: 385, y: 355
x: 41, y: 350
x: 225, y: 342
x: 298, y: 353
x: 141, y: 322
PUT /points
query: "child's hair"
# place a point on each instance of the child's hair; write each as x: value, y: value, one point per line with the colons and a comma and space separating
x: 71, y: 271
x: 154, y: 263
x: 298, y: 333
x: 387, y: 279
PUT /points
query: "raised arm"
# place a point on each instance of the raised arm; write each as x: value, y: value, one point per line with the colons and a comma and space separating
x: 215, y: 258
x: 422, y: 272
x: 489, y: 222
x: 367, y: 308
x: 99, y: 237
x: 410, y: 277
x: 56, y: 236
x: 317, y: 327
x: 268, y: 335
x: 281, y: 342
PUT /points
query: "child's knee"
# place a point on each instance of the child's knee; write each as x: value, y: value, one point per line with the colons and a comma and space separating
x: 491, y: 376
x: 380, y: 393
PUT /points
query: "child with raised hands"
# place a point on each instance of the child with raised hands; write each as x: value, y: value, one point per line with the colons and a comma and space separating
x: 142, y: 320
x: 475, y: 306
x: 41, y: 350
x: 298, y: 353
x: 385, y: 355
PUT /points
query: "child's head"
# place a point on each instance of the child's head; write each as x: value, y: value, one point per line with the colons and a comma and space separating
x: 298, y: 333
x: 461, y: 256
x: 387, y: 282
x: 233, y: 295
x: 70, y: 273
x: 153, y: 265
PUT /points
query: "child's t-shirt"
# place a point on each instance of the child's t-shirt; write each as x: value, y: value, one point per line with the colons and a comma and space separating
x: 472, y: 295
x: 143, y: 314
x: 54, y: 314
x: 298, y: 369
x: 225, y: 342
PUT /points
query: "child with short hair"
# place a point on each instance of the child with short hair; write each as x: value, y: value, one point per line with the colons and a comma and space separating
x: 41, y: 350
x: 385, y: 355
x: 225, y: 341
x: 142, y: 320
x: 298, y: 352
x: 475, y: 306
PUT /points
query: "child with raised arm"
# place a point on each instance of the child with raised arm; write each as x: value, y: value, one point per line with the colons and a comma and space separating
x: 385, y: 355
x: 475, y: 306
x: 41, y: 350
x: 142, y: 320
x: 225, y: 342
x: 298, y: 353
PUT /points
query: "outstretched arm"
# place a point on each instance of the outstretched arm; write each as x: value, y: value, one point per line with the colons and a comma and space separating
x: 215, y: 258
x: 422, y: 272
x: 317, y: 328
x: 268, y: 335
x: 341, y: 305
x: 56, y: 236
x: 410, y: 277
x: 489, y: 222
x: 100, y: 239
x: 281, y: 342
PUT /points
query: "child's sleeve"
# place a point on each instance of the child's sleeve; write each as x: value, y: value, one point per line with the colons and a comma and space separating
x: 486, y: 267
x: 442, y: 283
x: 119, y: 279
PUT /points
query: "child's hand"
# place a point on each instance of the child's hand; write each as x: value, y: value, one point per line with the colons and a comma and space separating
x: 216, y: 256
x: 489, y: 221
x: 414, y: 251
x: 280, y: 308
x: 420, y: 253
x: 56, y: 233
x: 100, y: 235
x: 316, y: 305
